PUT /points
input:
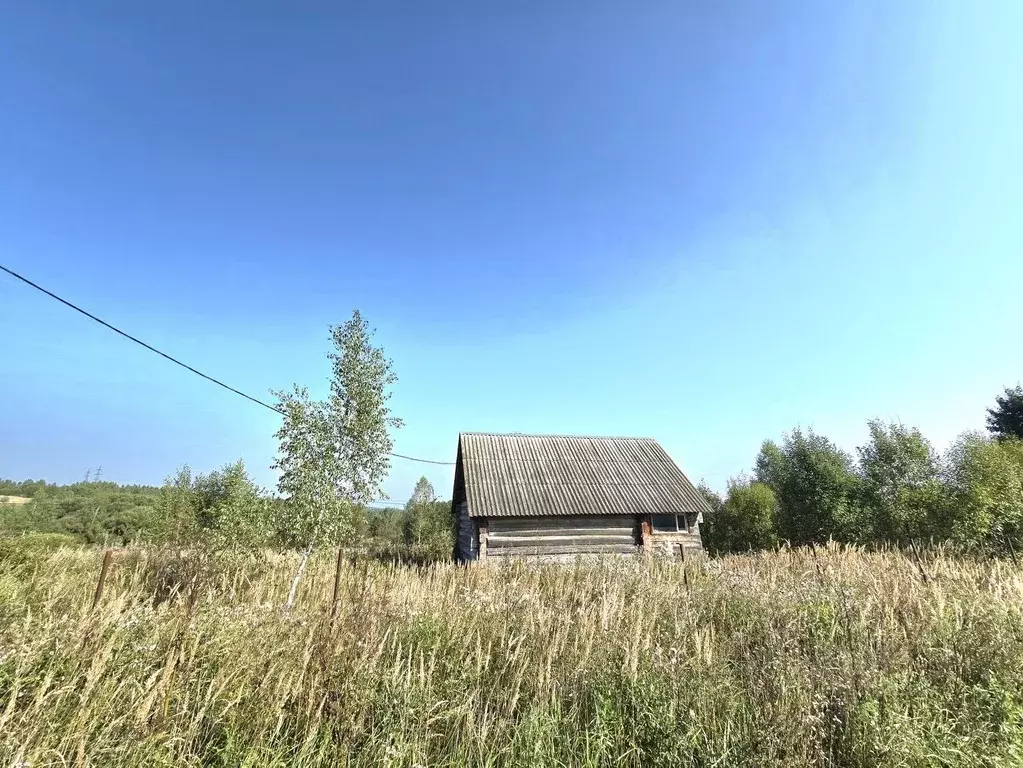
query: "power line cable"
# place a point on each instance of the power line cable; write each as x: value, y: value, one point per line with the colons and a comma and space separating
x: 174, y: 360
x: 424, y: 461
x: 394, y: 503
x: 105, y: 324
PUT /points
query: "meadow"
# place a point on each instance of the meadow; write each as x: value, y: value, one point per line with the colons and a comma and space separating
x: 808, y: 657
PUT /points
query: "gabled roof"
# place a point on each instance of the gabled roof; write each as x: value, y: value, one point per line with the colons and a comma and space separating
x: 509, y: 475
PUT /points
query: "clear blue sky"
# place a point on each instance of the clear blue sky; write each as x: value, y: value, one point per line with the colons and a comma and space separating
x: 705, y: 222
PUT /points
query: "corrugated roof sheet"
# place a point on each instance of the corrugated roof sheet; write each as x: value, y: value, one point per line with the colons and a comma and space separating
x: 508, y: 475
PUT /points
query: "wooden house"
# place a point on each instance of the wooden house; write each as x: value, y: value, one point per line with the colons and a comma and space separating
x: 555, y: 496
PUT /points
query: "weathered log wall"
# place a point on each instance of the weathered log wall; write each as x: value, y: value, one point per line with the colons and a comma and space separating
x: 468, y: 534
x: 559, y: 536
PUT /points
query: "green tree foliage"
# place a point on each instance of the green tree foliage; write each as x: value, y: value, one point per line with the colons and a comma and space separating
x: 333, y: 454
x: 771, y: 466
x: 984, y: 479
x: 95, y: 513
x: 899, y: 491
x: 711, y: 526
x: 385, y: 527
x: 900, y: 495
x: 177, y: 512
x: 1006, y: 418
x: 712, y: 497
x: 813, y: 481
x: 212, y: 520
x: 223, y: 510
x: 25, y: 488
x: 333, y: 457
x: 745, y: 520
x: 428, y: 524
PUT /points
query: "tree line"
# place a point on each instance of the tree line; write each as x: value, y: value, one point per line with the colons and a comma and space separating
x: 896, y: 489
x: 190, y: 504
x: 89, y: 512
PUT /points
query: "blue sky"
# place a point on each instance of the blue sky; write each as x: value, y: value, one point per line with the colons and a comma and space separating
x: 702, y: 222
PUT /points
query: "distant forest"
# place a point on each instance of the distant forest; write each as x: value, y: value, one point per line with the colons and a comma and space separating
x: 90, y: 511
x: 108, y: 513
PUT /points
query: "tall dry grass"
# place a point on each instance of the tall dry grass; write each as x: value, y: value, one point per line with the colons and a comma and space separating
x: 842, y: 657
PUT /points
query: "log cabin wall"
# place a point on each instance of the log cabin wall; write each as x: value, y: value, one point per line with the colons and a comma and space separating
x: 561, y: 536
x: 468, y: 534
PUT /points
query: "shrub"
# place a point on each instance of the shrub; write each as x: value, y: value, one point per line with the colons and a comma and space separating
x: 985, y: 493
x: 744, y: 520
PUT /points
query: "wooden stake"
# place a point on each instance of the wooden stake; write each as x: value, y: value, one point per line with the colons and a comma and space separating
x: 102, y: 577
x: 337, y: 581
x: 817, y: 562
x: 924, y: 576
x: 1012, y: 552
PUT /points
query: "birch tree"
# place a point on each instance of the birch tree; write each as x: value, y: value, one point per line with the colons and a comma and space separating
x: 333, y: 454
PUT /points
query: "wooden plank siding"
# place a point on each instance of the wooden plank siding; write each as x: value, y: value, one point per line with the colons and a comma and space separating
x: 557, y: 536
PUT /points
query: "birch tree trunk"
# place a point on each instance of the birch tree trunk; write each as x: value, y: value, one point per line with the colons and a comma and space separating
x: 298, y: 575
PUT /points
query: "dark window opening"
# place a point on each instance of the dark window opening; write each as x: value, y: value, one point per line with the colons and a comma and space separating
x: 670, y: 524
x: 664, y: 523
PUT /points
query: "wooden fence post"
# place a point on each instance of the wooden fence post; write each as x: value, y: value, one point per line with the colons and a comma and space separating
x: 1012, y: 552
x: 337, y: 581
x: 102, y: 577
x: 924, y: 576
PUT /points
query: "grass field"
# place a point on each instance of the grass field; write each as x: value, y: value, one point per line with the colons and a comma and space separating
x: 14, y: 499
x: 837, y: 658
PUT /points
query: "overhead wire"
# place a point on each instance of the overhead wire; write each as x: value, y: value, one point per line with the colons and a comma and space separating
x: 174, y: 360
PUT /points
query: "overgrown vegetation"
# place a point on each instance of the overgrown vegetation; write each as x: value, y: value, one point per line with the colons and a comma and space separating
x: 92, y: 512
x: 806, y: 491
x: 799, y: 658
x: 224, y: 513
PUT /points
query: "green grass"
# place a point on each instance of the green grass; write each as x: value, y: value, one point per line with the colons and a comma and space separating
x: 843, y: 658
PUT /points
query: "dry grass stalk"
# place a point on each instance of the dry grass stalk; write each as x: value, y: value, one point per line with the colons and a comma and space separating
x: 827, y: 657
